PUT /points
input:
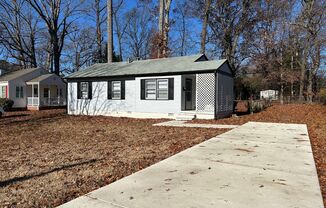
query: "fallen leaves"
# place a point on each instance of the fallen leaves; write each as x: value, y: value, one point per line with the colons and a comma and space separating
x: 57, y: 157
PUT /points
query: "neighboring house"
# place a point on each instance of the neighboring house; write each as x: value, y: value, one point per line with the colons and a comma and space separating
x: 33, y: 89
x: 269, y: 94
x: 2, y: 71
x: 188, y: 86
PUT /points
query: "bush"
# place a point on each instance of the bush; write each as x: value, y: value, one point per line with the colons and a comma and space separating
x: 257, y: 106
x: 322, y: 95
x: 6, y: 104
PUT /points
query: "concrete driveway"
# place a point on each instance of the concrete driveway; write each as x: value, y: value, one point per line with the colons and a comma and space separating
x: 254, y: 165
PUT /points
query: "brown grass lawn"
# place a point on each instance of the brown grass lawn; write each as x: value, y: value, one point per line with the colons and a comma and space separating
x: 48, y: 158
x: 312, y: 115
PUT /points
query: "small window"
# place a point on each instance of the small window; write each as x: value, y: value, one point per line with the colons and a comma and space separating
x: 150, y: 89
x: 60, y: 92
x: 19, y: 92
x: 116, y: 89
x: 46, y: 92
x: 84, y: 90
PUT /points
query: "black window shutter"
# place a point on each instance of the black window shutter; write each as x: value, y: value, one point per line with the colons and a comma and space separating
x: 78, y: 90
x: 109, y: 90
x: 89, y: 90
x: 142, y: 89
x: 171, y: 88
x: 123, y: 90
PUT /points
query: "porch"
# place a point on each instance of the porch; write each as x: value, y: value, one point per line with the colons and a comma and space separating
x: 43, y: 92
x: 197, y: 97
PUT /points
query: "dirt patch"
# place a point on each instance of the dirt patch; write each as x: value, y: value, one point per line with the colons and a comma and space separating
x: 313, y: 115
x: 48, y: 158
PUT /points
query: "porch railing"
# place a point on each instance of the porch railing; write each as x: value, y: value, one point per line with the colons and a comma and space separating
x: 32, y: 101
x: 52, y: 101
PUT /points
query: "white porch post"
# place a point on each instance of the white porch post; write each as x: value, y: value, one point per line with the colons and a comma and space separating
x: 38, y: 94
x: 32, y: 94
x: 49, y: 98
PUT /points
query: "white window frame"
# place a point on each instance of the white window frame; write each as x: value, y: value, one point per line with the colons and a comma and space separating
x: 156, y: 91
x: 3, y: 92
x: 115, y: 91
x: 84, y: 92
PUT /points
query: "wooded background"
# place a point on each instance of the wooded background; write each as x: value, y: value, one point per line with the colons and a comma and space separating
x: 270, y: 44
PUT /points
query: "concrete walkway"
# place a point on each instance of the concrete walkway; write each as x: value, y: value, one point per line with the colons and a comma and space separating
x: 254, y: 165
x: 176, y: 123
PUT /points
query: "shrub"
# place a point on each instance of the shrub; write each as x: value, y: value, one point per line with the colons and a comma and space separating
x: 257, y: 106
x: 6, y: 104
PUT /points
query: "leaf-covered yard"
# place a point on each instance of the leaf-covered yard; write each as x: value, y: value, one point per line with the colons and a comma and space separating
x: 313, y: 115
x: 48, y: 157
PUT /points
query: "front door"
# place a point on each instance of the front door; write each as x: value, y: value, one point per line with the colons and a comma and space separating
x: 188, y: 94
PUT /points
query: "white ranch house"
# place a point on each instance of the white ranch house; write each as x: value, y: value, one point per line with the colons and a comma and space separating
x: 33, y: 89
x: 179, y: 87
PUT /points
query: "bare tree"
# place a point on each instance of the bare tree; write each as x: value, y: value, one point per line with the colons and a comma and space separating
x: 79, y: 49
x: 310, y: 23
x: 56, y: 15
x: 184, y: 37
x: 18, y: 34
x: 229, y: 21
x: 139, y: 31
x: 120, y: 25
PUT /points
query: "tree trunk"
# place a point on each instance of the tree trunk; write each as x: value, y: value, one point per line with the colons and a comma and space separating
x: 204, y: 27
x: 161, y: 27
x: 166, y: 27
x: 110, y: 32
x: 98, y: 32
x: 302, y: 74
x: 56, y: 59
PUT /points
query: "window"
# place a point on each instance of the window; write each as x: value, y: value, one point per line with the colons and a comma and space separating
x: 46, y: 92
x: 3, y: 92
x: 84, y: 90
x: 116, y: 90
x: 19, y: 92
x: 162, y: 89
x: 150, y: 89
x: 157, y: 89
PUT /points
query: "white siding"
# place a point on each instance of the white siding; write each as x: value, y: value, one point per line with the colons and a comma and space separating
x: 21, y: 81
x: 100, y: 105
